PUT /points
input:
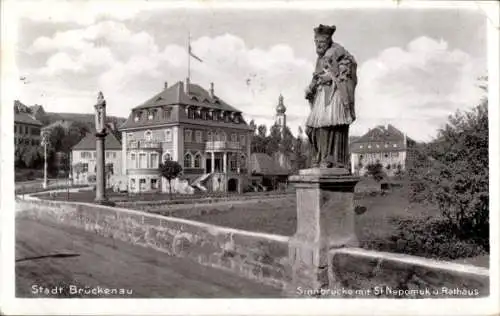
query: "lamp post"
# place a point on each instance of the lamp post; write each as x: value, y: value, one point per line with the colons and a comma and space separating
x: 45, y: 141
x: 100, y: 125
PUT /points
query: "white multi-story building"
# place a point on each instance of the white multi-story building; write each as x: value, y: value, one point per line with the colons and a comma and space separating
x: 384, y: 144
x: 83, y: 159
x: 193, y: 126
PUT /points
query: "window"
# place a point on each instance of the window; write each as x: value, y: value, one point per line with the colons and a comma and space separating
x: 143, y: 163
x: 214, y: 116
x: 166, y: 157
x: 148, y: 135
x: 110, y: 169
x: 395, y: 154
x: 198, y: 136
x: 85, y: 167
x: 237, y: 119
x: 114, y: 155
x: 233, y: 163
x: 242, y: 140
x: 168, y: 135
x: 188, y: 136
x: 386, y: 155
x: 216, y: 137
x: 85, y: 155
x: 154, y: 160
x: 108, y: 155
x: 394, y: 145
x: 234, y: 138
x: 187, y: 160
x: 369, y: 146
x: 132, y: 156
x: 191, y: 114
x: 378, y: 146
x: 243, y: 161
x: 142, y: 184
x: 197, y: 161
x: 223, y: 137
x: 132, y: 184
x: 204, y: 115
x: 94, y: 154
x: 167, y: 113
x: 209, y: 136
x: 360, y: 146
x: 137, y: 116
x: 130, y: 136
x: 386, y: 145
x: 154, y: 183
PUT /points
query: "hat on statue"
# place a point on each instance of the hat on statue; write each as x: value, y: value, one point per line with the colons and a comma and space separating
x: 324, y: 30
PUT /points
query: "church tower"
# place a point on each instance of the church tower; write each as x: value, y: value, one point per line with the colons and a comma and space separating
x: 280, y: 115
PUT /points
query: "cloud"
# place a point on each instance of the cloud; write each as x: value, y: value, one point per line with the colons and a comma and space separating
x: 416, y: 87
x: 129, y: 67
x: 83, y: 12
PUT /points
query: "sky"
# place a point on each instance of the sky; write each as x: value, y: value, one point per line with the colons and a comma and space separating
x: 415, y: 66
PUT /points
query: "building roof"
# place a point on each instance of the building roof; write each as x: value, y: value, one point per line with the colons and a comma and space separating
x: 388, y: 137
x: 176, y: 95
x: 25, y: 118
x: 263, y: 164
x: 23, y: 115
x: 88, y: 143
x: 197, y: 96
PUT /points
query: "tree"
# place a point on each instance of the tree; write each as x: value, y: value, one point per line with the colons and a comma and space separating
x: 376, y: 170
x: 170, y: 170
x: 262, y: 130
x: 452, y: 173
x: 78, y: 169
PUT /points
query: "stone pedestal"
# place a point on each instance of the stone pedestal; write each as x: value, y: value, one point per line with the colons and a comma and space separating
x: 325, y: 220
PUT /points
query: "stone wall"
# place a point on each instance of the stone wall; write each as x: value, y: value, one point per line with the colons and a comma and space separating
x: 388, y: 275
x: 251, y: 255
x: 352, y: 272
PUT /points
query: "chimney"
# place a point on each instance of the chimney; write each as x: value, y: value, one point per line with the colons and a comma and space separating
x: 180, y: 91
x: 186, y: 86
x: 212, y: 90
x: 166, y: 85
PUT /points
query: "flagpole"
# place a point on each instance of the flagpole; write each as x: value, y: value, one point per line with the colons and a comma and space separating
x: 189, y: 56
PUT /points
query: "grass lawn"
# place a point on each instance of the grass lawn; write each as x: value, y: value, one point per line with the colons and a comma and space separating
x: 376, y: 229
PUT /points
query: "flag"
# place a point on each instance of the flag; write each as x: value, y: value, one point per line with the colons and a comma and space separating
x: 193, y: 55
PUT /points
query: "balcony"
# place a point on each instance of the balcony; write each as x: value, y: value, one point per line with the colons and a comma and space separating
x: 142, y: 144
x: 222, y: 145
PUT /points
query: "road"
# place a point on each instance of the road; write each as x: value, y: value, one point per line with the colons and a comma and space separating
x: 68, y: 262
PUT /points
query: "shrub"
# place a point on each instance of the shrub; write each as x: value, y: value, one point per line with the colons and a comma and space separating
x: 427, y: 237
x: 376, y: 170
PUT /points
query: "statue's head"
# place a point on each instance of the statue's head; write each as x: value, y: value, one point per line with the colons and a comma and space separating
x: 323, y: 38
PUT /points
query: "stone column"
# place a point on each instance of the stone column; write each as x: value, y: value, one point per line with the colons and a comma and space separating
x: 100, y: 196
x: 224, y: 163
x: 212, y: 166
x: 325, y: 220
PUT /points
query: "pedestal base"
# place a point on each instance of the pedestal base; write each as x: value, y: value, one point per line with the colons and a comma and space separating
x: 325, y: 220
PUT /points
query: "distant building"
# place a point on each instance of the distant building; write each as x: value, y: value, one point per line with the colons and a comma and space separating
x: 26, y: 127
x: 384, y: 144
x: 283, y: 159
x: 266, y: 171
x: 83, y: 159
x: 192, y: 126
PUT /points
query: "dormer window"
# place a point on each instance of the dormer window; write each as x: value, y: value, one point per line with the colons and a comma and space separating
x: 167, y: 113
x: 137, y: 116
x: 214, y: 116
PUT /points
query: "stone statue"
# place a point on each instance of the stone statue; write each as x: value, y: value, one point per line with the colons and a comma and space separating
x: 100, y: 111
x: 331, y: 97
